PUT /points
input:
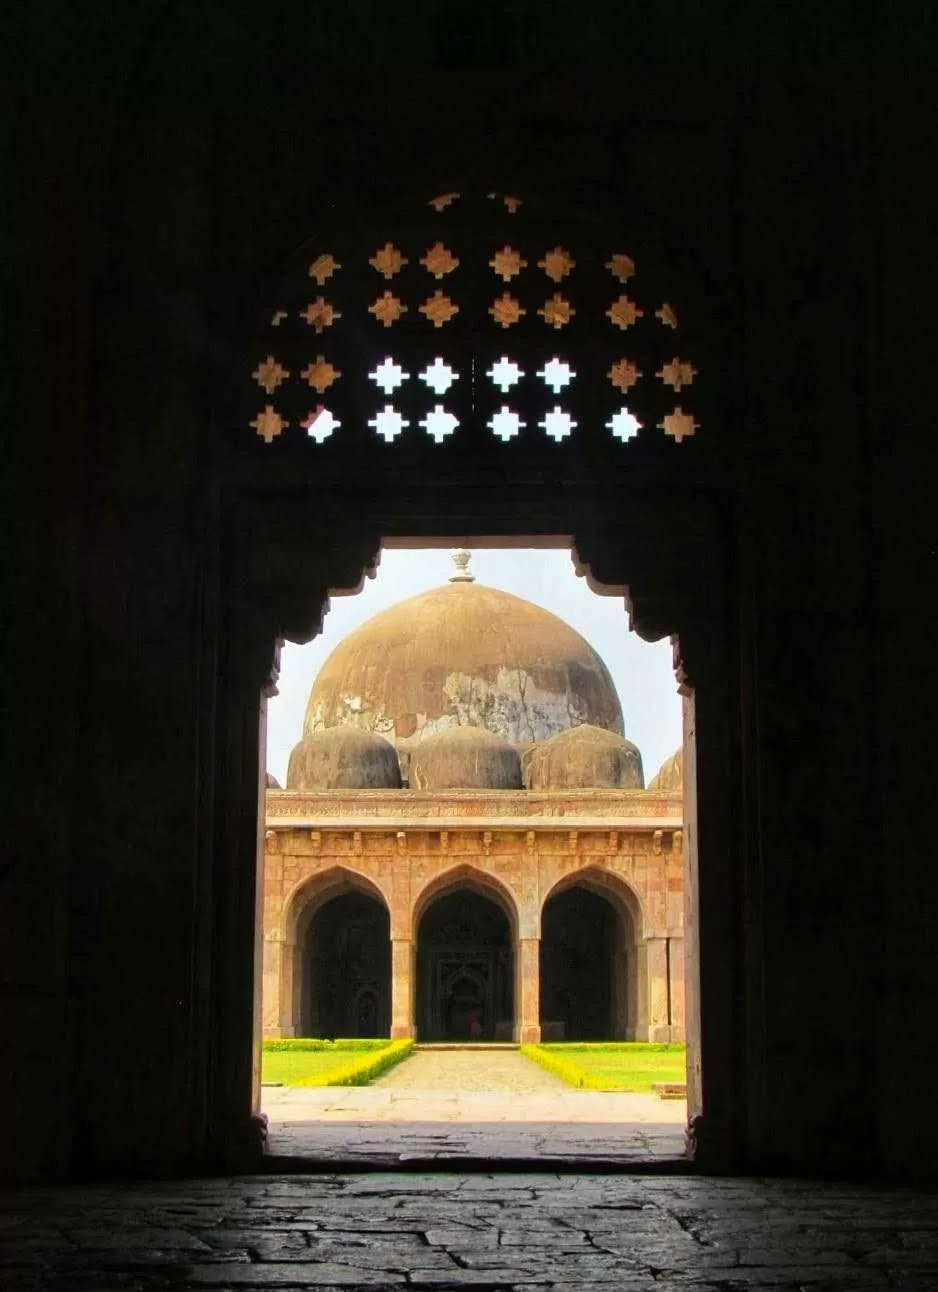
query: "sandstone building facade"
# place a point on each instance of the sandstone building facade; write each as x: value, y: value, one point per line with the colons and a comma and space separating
x: 465, y: 848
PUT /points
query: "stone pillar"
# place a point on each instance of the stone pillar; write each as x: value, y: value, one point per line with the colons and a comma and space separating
x: 402, y: 988
x: 528, y: 991
x: 290, y: 991
x: 656, y: 959
x: 273, y: 973
x: 677, y: 989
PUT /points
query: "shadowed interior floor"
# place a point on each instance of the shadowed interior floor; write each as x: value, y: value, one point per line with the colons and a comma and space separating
x: 496, y: 1232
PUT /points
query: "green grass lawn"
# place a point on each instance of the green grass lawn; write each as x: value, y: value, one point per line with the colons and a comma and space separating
x: 329, y: 1063
x: 626, y: 1065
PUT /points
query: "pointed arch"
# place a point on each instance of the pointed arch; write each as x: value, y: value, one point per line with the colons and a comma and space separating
x: 608, y: 884
x: 468, y: 876
x: 465, y: 924
x: 311, y: 892
x: 592, y: 959
x: 303, y: 1008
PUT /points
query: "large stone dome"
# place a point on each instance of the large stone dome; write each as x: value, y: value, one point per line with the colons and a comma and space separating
x: 464, y: 655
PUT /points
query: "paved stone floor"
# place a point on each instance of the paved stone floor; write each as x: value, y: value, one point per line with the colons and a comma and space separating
x: 454, y: 1104
x: 470, y: 1072
x: 496, y: 1232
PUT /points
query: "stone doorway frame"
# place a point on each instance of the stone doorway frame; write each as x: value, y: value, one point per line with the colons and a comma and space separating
x: 288, y: 549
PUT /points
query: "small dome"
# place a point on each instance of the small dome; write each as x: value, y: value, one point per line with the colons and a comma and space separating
x: 584, y: 758
x: 343, y: 758
x: 272, y: 782
x: 670, y: 775
x: 465, y: 758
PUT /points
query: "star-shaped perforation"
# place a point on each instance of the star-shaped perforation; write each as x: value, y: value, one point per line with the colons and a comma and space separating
x: 677, y: 374
x: 557, y: 311
x: 439, y: 423
x: 319, y: 423
x: 506, y: 423
x: 508, y: 263
x: 666, y: 315
x: 439, y: 261
x: 439, y: 376
x: 623, y: 312
x: 388, y: 260
x: 438, y: 308
x: 387, y: 309
x: 505, y: 373
x: 558, y: 423
x: 319, y: 314
x: 679, y: 425
x: 506, y: 310
x: 269, y: 424
x: 323, y: 267
x: 389, y: 375
x: 623, y: 374
x: 621, y: 266
x: 270, y: 374
x: 624, y: 425
x: 320, y: 374
x: 388, y: 423
x: 557, y: 264
x: 556, y: 374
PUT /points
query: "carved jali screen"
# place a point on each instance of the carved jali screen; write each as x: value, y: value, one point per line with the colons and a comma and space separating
x: 473, y: 319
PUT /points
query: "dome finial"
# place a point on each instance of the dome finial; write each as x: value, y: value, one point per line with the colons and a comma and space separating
x: 462, y: 574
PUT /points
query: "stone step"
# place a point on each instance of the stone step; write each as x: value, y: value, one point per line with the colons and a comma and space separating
x: 670, y: 1089
x: 464, y: 1045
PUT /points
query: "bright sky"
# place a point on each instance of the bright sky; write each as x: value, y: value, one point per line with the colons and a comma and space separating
x: 642, y: 673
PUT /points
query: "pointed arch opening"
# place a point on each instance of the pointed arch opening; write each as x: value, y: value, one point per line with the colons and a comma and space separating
x: 464, y: 927
x: 337, y: 972
x: 592, y: 965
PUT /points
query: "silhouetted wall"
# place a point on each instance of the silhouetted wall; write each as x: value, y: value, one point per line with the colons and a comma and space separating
x: 167, y: 161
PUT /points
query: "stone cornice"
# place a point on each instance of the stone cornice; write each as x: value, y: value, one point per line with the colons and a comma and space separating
x: 465, y: 809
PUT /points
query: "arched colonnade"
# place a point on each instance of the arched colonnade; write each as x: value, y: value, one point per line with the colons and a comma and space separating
x: 385, y: 934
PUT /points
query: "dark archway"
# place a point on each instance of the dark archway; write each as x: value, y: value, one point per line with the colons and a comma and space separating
x: 465, y: 970
x: 584, y: 964
x: 347, y: 968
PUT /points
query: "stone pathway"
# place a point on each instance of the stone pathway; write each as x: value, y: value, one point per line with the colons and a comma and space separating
x: 495, y: 1233
x: 503, y: 1072
x: 497, y: 1105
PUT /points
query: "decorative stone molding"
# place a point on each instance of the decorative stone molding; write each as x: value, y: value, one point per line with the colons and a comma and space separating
x: 518, y: 809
